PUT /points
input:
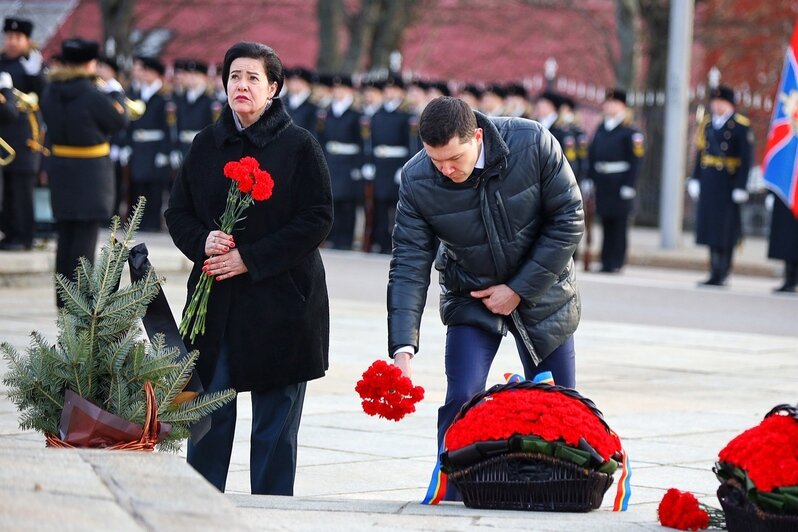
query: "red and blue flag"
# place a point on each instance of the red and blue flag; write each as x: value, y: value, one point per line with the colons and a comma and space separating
x: 780, y: 165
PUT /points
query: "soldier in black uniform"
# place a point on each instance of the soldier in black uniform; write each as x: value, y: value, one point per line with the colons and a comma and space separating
x: 300, y: 107
x: 725, y: 148
x: 471, y: 94
x: 394, y: 139
x: 80, y: 119
x: 339, y: 132
x: 614, y: 157
x: 574, y: 141
x: 24, y: 63
x: 783, y: 242
x: 196, y: 108
x: 152, y: 138
x: 516, y: 103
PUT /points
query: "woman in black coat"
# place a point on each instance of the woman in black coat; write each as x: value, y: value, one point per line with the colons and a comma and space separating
x: 267, y: 328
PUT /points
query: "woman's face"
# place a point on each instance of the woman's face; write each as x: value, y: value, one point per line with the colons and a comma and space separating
x: 249, y: 89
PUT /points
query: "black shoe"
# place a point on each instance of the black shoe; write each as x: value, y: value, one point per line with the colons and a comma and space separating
x: 785, y: 289
x: 10, y: 245
x: 713, y: 281
x: 605, y: 269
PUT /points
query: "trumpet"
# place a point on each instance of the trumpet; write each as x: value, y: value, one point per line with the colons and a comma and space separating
x: 10, y: 152
x: 135, y: 108
x: 27, y: 102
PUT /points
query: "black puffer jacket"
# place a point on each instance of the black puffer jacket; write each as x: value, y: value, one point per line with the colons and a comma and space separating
x: 517, y: 222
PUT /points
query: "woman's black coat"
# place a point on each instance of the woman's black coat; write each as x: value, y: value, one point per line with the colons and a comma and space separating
x: 275, y: 317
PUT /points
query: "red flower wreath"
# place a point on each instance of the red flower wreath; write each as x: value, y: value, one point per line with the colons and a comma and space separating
x: 681, y: 510
x: 387, y: 393
x: 550, y: 415
x: 767, y: 453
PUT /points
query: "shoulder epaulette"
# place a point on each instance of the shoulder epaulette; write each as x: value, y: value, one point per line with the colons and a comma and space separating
x: 742, y: 120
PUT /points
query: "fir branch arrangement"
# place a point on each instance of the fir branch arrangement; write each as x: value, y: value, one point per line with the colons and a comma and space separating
x: 100, y: 354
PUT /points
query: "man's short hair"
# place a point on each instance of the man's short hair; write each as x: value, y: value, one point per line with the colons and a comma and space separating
x: 443, y: 118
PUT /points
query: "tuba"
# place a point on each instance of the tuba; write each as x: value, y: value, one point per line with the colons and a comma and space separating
x: 135, y: 108
x: 27, y: 102
x: 10, y: 153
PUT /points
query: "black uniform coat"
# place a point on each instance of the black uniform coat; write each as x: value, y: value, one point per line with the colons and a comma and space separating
x: 20, y: 131
x: 621, y: 144
x: 305, y: 115
x: 394, y: 129
x: 275, y: 317
x: 518, y: 222
x: 149, y: 161
x: 334, y: 131
x: 194, y: 116
x: 783, y: 241
x: 78, y: 114
x: 718, y: 222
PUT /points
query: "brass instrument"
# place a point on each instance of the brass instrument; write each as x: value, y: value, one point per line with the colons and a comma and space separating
x: 27, y: 102
x: 11, y: 153
x: 135, y: 108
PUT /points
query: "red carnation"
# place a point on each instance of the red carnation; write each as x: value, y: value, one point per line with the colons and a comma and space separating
x: 387, y: 393
x: 250, y: 184
x: 681, y: 510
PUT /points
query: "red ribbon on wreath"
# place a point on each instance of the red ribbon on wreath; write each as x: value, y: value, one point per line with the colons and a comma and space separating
x: 387, y: 393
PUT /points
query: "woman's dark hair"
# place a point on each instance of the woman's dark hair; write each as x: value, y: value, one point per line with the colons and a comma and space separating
x: 445, y: 117
x: 255, y: 50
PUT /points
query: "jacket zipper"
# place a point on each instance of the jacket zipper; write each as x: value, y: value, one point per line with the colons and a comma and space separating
x: 503, y: 214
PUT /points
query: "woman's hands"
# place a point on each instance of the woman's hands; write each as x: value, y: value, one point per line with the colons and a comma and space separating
x: 224, y: 261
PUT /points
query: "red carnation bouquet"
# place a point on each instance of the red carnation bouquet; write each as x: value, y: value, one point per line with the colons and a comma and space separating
x: 250, y: 184
x: 387, y: 393
x: 681, y: 510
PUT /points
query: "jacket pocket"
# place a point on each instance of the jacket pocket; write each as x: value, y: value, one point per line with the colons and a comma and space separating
x: 504, y: 218
x: 294, y: 286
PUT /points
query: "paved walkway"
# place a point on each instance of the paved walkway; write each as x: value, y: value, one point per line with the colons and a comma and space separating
x: 675, y: 396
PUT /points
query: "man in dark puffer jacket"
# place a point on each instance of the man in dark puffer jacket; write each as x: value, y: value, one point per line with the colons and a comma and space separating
x: 504, y: 203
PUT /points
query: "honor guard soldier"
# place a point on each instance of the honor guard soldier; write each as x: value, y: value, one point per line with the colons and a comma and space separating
x: 81, y: 115
x: 23, y: 62
x: 614, y: 157
x: 471, y: 94
x: 575, y: 141
x: 341, y: 138
x: 724, y: 145
x: 394, y: 139
x: 196, y: 108
x: 300, y: 107
x: 516, y: 104
x: 151, y: 140
x: 492, y: 103
x: 783, y: 241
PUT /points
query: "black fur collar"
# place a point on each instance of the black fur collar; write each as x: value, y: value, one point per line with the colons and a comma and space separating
x: 273, y: 122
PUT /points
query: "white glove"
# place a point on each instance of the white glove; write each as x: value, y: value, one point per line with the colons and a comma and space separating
x: 124, y: 155
x: 355, y: 174
x: 368, y: 171
x: 739, y: 195
x: 161, y: 160
x: 33, y: 63
x: 114, y: 155
x: 770, y: 201
x: 175, y: 159
x: 693, y: 189
x: 397, y: 177
x: 111, y: 86
x: 5, y: 81
x: 628, y: 193
x: 586, y: 186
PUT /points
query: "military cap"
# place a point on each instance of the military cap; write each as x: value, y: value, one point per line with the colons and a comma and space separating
x: 440, y: 86
x: 325, y: 80
x: 421, y: 84
x: 394, y: 80
x: 616, y: 94
x: 110, y: 61
x: 372, y: 84
x: 299, y: 72
x: 152, y: 63
x: 194, y: 65
x: 19, y: 25
x: 342, y: 80
x: 473, y: 90
x: 722, y: 92
x: 551, y: 96
x: 496, y: 89
x: 516, y: 89
x: 179, y: 65
x: 78, y: 51
x: 567, y: 100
